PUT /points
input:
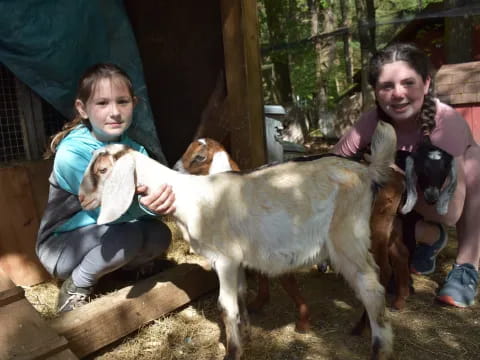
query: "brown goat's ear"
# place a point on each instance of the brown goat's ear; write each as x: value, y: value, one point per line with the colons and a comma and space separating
x: 118, y: 190
x: 448, y: 190
x: 411, y: 185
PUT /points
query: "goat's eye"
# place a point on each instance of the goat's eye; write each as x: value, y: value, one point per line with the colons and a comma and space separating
x: 102, y: 170
x: 200, y: 158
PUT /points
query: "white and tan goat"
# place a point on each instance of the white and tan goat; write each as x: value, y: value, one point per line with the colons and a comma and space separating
x: 207, y: 156
x: 273, y: 220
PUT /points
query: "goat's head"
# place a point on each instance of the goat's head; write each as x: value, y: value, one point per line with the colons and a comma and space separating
x: 434, y: 171
x: 109, y: 182
x: 203, y: 157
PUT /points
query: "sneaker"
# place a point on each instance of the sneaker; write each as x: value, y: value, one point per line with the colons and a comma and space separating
x: 460, y: 287
x: 71, y: 296
x: 424, y: 257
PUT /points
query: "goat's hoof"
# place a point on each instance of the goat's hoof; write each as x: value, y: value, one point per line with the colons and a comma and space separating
x: 398, y: 304
x: 302, y: 327
x: 323, y: 267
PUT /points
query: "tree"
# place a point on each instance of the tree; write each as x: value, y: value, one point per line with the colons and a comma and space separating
x: 366, y: 31
x: 458, y: 34
x: 275, y: 11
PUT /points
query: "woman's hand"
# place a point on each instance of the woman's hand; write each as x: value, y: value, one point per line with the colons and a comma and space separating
x: 161, y: 201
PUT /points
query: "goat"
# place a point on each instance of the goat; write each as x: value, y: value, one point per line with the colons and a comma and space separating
x: 434, y: 171
x: 274, y: 220
x: 207, y: 156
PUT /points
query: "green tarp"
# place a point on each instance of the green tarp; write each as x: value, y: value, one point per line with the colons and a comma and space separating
x: 48, y: 44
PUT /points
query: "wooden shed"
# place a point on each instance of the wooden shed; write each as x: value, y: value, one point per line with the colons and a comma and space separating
x: 201, y: 63
x: 459, y: 86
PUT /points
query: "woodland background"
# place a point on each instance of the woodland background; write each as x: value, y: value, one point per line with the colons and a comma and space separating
x: 315, y: 52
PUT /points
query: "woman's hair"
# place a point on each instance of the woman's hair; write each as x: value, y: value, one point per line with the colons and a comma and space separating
x: 86, y: 88
x: 419, y: 62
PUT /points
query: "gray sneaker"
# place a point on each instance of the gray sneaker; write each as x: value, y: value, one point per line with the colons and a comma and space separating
x: 460, y: 287
x: 71, y: 296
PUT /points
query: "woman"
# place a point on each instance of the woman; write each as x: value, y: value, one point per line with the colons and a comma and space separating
x: 402, y: 83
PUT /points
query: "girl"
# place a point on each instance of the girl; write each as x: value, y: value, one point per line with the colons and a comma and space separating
x: 70, y: 244
x: 402, y: 83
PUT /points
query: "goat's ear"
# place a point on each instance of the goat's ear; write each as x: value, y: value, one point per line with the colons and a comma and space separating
x: 118, y: 190
x: 448, y: 190
x: 411, y: 185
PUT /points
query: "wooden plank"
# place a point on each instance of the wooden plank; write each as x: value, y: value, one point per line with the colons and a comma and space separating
x: 25, y: 335
x: 10, y: 295
x: 243, y: 79
x: 19, y: 223
x: 109, y: 318
x: 5, y: 282
x: 253, y: 77
x: 66, y: 354
x: 39, y: 172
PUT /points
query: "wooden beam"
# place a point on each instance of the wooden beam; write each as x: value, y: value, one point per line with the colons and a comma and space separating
x: 25, y: 335
x: 243, y: 79
x: 19, y: 224
x: 109, y: 318
x: 5, y: 282
x: 10, y: 295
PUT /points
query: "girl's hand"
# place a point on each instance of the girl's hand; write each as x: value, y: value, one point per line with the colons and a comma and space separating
x: 160, y: 201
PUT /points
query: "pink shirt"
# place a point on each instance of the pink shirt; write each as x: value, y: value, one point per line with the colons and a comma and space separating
x: 451, y: 133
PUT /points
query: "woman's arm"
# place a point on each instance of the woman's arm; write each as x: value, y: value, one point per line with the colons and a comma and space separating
x: 358, y: 136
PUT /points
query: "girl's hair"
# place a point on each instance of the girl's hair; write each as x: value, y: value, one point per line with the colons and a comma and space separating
x: 86, y: 88
x: 419, y: 62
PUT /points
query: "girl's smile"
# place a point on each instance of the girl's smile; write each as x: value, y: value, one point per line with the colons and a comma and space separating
x: 400, y: 92
x: 109, y: 109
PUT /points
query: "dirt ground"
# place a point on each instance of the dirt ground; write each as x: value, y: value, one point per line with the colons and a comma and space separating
x: 425, y: 330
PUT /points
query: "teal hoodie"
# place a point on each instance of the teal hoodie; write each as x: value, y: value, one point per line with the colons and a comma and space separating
x: 71, y: 159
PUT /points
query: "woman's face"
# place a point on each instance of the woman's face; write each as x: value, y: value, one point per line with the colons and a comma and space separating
x: 400, y: 91
x: 109, y: 109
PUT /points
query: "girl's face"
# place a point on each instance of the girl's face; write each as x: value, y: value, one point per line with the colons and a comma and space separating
x: 400, y: 91
x: 109, y: 109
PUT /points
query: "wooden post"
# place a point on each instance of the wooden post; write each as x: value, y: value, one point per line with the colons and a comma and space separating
x: 243, y: 79
x: 19, y: 224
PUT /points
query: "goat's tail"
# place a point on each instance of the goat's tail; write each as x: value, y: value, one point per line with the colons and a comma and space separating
x: 384, y: 147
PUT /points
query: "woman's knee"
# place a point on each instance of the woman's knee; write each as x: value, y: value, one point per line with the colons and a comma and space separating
x: 124, y: 237
x: 157, y: 236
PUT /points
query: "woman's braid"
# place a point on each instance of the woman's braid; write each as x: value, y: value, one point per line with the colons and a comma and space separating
x: 426, y: 119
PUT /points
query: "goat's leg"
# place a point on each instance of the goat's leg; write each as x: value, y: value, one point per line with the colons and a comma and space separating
x: 290, y: 285
x: 362, y: 276
x: 263, y: 294
x: 228, y: 272
x: 399, y: 256
x: 242, y: 304
x: 380, y: 249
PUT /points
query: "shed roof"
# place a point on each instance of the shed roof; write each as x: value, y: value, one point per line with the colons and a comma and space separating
x: 458, y: 83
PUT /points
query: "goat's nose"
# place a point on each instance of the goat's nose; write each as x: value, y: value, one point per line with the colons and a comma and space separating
x: 81, y: 197
x: 431, y: 195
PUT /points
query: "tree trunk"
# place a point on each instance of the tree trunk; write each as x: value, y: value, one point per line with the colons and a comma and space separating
x: 366, y: 27
x: 282, y: 83
x: 347, y: 38
x: 458, y: 34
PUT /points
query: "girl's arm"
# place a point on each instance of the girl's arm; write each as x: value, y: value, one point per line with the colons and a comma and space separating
x: 358, y: 136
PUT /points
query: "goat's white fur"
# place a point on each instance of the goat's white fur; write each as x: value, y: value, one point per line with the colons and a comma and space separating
x: 274, y: 220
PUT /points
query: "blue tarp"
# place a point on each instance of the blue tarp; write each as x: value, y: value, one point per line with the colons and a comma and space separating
x: 48, y: 44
